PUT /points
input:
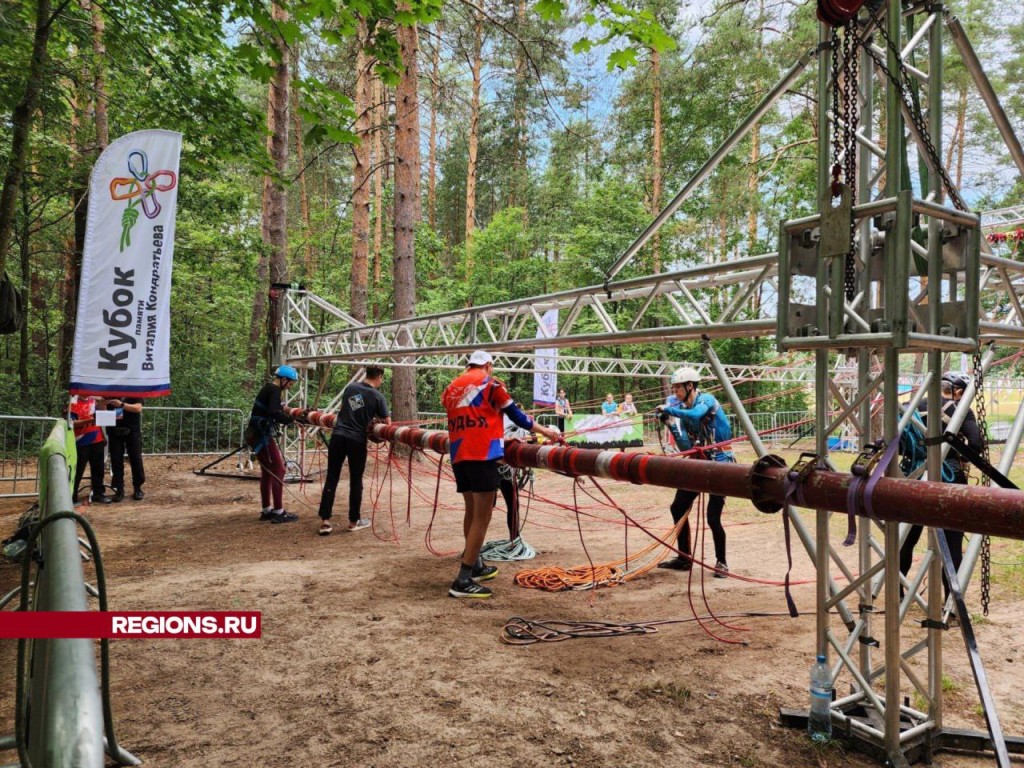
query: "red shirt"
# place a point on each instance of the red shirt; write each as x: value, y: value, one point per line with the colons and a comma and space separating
x: 85, y: 408
x: 476, y: 430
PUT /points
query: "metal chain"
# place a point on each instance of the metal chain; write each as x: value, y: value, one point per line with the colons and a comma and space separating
x: 982, y: 418
x: 920, y: 125
x: 845, y: 117
x: 836, y: 145
x: 851, y: 116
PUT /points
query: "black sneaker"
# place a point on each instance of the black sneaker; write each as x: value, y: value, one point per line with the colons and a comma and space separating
x: 283, y: 517
x: 468, y: 588
x: 677, y: 564
x: 118, y: 496
x: 100, y: 499
x: 485, y: 573
x: 267, y: 514
x: 138, y: 495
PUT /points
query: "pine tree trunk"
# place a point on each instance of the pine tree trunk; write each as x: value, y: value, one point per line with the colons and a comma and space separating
x: 361, y: 185
x: 961, y: 121
x: 752, y: 188
x: 76, y: 246
x: 99, y: 76
x: 309, y: 262
x: 517, y: 189
x: 656, y: 155
x: 407, y: 213
x: 379, y: 139
x: 274, y: 258
x: 21, y: 124
x: 435, y: 76
x: 26, y: 281
x: 474, y: 126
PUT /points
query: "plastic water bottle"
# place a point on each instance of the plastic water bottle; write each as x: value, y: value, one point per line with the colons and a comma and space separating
x: 819, y: 719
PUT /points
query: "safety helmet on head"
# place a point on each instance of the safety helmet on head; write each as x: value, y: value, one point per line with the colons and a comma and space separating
x: 956, y: 379
x: 683, y: 375
x: 286, y: 372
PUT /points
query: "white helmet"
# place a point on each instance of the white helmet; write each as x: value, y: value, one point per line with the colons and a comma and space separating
x: 683, y: 375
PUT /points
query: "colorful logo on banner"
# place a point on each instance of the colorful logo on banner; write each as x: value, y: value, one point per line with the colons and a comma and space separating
x: 140, y: 192
x: 122, y: 330
x: 598, y: 430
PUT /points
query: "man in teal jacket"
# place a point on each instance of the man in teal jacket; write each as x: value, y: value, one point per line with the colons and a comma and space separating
x: 702, y: 426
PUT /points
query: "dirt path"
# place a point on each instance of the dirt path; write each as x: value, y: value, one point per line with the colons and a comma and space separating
x: 364, y: 661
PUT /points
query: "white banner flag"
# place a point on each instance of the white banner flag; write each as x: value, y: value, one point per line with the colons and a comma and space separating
x: 123, y: 332
x: 545, y: 380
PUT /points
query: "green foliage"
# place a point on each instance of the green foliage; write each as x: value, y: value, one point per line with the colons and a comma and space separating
x: 632, y: 29
x: 564, y: 179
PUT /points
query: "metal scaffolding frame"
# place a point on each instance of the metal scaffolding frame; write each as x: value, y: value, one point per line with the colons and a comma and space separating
x: 972, y: 302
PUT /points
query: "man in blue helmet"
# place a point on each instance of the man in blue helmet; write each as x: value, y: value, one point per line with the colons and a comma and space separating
x: 702, y: 423
x: 954, y: 384
x: 267, y: 414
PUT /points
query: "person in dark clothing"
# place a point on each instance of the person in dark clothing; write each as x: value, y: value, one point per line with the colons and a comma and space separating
x: 954, y: 384
x: 361, y: 403
x: 267, y: 414
x: 510, y: 482
x: 126, y: 435
x: 89, y: 443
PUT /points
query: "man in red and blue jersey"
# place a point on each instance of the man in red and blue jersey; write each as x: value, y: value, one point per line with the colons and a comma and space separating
x: 475, y: 402
x: 89, y: 443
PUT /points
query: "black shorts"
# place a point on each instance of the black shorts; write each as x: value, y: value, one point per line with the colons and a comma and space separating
x: 476, y: 476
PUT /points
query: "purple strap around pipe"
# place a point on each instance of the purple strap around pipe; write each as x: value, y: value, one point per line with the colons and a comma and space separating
x: 858, y: 496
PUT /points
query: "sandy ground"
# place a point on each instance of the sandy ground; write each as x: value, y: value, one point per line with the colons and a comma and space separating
x: 364, y: 660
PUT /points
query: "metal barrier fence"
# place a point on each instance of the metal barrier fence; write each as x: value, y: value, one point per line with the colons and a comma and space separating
x: 166, y: 431
x: 21, y: 437
x: 192, y: 431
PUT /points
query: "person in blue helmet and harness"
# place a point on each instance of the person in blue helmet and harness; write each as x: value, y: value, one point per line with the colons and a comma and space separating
x: 954, y: 385
x: 702, y: 422
x: 267, y: 414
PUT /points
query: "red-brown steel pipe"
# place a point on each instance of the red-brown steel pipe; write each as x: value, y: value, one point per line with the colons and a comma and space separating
x: 971, y: 508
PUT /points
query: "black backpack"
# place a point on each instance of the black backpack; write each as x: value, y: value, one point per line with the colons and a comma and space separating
x: 12, y: 306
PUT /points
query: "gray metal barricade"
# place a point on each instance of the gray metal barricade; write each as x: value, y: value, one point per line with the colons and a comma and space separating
x: 169, y: 431
x: 21, y: 437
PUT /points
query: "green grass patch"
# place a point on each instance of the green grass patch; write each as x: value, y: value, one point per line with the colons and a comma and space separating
x: 1008, y: 565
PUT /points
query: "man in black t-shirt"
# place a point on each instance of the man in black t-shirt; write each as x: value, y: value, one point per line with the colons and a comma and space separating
x: 126, y: 435
x: 361, y: 403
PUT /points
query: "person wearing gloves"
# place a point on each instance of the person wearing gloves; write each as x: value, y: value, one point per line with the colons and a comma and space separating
x: 703, y: 426
x: 474, y: 403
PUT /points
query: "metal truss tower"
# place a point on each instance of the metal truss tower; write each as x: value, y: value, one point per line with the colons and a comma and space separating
x: 883, y: 272
x: 879, y: 273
